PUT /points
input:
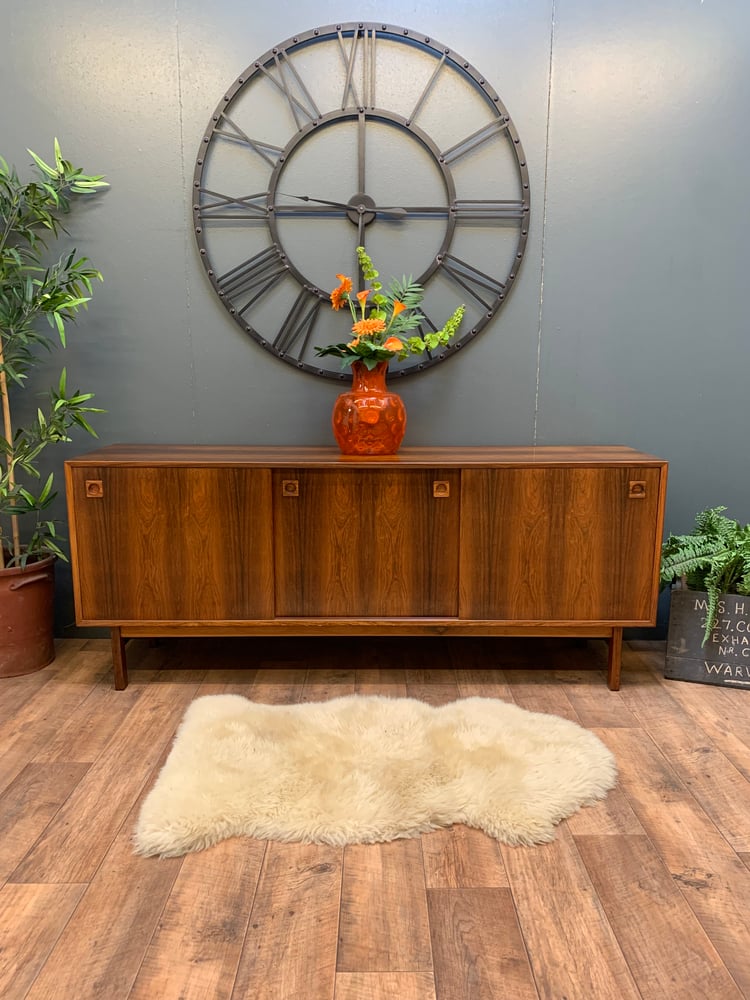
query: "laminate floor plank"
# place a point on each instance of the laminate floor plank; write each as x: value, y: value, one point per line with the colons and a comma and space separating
x: 385, y: 986
x: 28, y: 804
x: 18, y: 691
x: 645, y: 909
x: 478, y: 951
x: 707, y: 871
x: 198, y: 959
x: 227, y: 680
x: 433, y: 694
x: 325, y: 683
x: 614, y: 815
x: 101, y: 949
x: 388, y: 682
x: 89, y: 728
x: 572, y: 948
x: 722, y: 713
x: 593, y: 702
x: 24, y: 734
x: 722, y: 789
x: 280, y: 685
x: 383, y: 924
x: 290, y: 948
x: 31, y: 919
x: 538, y: 691
x: 481, y: 682
x: 462, y: 858
x: 74, y: 843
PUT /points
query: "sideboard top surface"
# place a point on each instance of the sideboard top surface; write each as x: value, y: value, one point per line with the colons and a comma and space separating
x: 282, y: 456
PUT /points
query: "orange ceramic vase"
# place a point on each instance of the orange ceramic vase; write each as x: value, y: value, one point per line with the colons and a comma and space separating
x: 369, y: 420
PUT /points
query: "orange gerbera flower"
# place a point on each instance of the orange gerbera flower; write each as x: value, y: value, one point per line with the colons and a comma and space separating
x: 337, y: 295
x: 393, y: 344
x: 364, y: 327
x: 398, y: 307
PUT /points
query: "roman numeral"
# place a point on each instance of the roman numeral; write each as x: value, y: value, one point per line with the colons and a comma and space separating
x: 253, y: 277
x: 227, y: 129
x: 349, y: 62
x: 428, y: 87
x: 476, y: 282
x: 487, y: 210
x: 368, y: 63
x: 286, y: 78
x: 299, y: 323
x: 215, y: 205
x: 475, y: 139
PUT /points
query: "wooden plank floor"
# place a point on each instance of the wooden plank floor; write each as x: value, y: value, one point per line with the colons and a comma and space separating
x: 646, y: 895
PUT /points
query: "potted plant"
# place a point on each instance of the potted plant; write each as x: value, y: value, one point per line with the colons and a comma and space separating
x: 709, y: 620
x: 34, y: 289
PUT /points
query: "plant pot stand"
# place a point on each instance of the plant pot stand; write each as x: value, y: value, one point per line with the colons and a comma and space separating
x: 725, y: 659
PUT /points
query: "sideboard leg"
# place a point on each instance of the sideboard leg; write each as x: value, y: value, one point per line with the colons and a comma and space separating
x: 119, y: 661
x: 614, y: 664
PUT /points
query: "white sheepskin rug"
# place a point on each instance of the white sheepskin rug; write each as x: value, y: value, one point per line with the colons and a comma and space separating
x: 362, y: 769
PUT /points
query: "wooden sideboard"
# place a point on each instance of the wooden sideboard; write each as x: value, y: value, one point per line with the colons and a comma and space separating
x: 202, y: 540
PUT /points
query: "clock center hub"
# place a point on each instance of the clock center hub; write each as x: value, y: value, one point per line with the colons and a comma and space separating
x: 361, y: 206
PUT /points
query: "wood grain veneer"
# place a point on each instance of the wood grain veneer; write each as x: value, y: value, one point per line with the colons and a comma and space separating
x: 233, y: 540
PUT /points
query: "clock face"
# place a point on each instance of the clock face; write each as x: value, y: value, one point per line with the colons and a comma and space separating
x: 359, y: 134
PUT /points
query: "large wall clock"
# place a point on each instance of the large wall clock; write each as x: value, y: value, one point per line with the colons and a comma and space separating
x: 359, y: 134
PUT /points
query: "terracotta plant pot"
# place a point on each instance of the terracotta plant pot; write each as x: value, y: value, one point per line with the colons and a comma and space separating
x: 27, y: 617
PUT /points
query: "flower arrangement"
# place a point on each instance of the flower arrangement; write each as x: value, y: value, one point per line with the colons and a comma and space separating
x: 382, y: 321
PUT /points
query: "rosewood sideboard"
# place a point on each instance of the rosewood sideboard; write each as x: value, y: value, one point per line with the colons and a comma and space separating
x: 498, y: 541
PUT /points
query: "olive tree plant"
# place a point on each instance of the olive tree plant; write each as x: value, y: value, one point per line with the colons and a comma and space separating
x: 39, y: 295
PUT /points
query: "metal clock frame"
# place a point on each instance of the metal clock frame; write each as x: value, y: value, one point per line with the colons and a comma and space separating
x: 240, y: 287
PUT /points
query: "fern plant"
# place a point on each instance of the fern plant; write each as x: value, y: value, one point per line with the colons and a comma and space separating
x: 714, y: 557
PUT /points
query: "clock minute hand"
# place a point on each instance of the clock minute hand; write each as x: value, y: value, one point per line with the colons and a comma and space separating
x: 362, y: 209
x: 318, y: 201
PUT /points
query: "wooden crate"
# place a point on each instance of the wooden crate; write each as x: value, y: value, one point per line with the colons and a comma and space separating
x: 725, y: 658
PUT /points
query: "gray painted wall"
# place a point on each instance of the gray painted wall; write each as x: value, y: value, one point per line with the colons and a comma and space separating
x: 627, y: 325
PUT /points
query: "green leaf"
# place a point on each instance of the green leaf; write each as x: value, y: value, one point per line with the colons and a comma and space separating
x: 45, y: 167
x: 46, y: 489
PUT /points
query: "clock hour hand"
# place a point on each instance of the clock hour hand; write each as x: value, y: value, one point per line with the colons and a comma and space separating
x: 415, y: 210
